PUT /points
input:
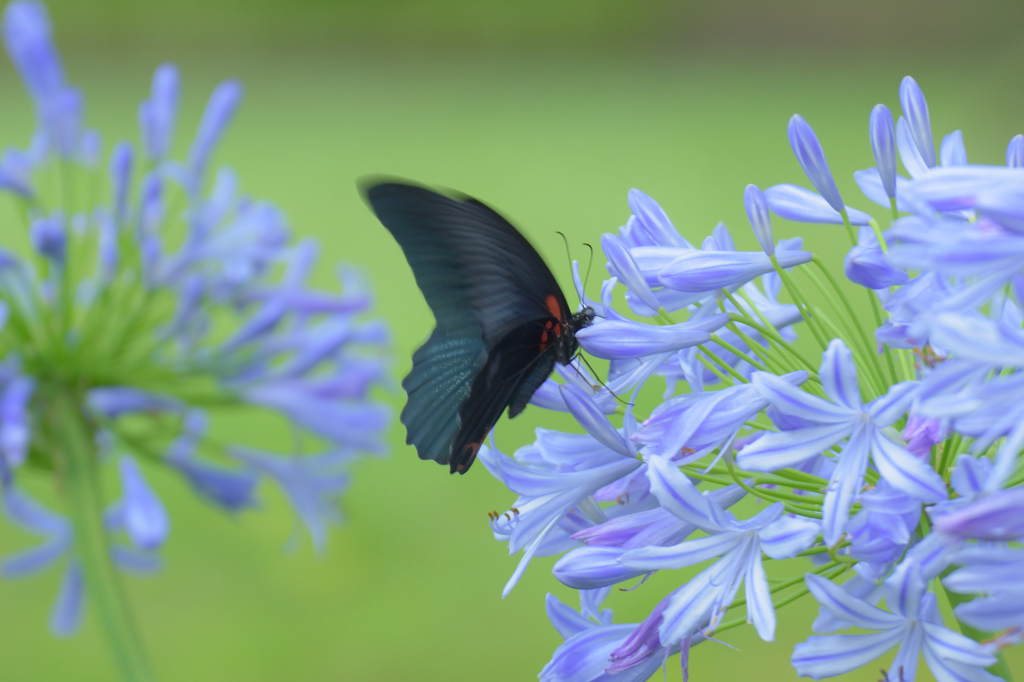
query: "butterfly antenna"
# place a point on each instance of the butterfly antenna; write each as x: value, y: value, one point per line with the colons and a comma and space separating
x: 603, y: 385
x: 589, y: 263
x: 567, y: 254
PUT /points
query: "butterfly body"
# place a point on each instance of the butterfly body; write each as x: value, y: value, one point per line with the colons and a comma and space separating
x: 502, y: 321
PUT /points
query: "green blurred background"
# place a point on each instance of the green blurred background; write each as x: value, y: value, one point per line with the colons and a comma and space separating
x: 549, y: 111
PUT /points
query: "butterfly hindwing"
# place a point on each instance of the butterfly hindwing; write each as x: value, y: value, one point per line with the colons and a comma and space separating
x: 443, y: 371
x: 511, y: 367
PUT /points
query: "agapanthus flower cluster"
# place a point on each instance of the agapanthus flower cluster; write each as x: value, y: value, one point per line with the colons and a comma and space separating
x: 873, y: 464
x: 155, y: 296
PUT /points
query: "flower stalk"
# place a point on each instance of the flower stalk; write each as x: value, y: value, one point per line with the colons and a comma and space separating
x: 74, y: 452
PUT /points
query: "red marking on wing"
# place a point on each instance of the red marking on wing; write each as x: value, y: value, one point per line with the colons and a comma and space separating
x: 544, y: 339
x: 552, y: 303
x: 472, y: 449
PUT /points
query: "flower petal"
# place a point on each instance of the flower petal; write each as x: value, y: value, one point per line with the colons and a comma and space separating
x: 906, y: 472
x: 760, y: 610
x: 684, y: 554
x: 788, y: 536
x: 783, y: 449
x: 831, y: 655
x: 839, y: 375
x: 803, y: 205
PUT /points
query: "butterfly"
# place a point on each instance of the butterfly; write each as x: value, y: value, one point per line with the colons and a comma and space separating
x: 502, y: 321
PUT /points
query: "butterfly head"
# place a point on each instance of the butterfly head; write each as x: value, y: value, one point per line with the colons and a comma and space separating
x: 567, y: 348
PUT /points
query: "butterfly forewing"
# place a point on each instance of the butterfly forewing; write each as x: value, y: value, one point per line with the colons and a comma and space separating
x: 499, y: 312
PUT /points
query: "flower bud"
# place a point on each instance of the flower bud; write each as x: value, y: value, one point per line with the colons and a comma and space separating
x: 883, y: 144
x: 812, y: 159
x: 915, y: 109
x: 759, y: 217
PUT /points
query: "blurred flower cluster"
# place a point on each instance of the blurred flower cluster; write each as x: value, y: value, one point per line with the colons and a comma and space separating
x: 879, y: 460
x: 154, y: 296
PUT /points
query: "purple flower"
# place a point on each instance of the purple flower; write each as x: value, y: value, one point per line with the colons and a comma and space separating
x: 140, y: 511
x: 803, y: 205
x: 599, y: 564
x: 622, y: 338
x: 652, y: 226
x: 760, y: 219
x: 157, y: 114
x: 841, y: 417
x: 998, y: 517
x: 915, y: 108
x: 49, y: 238
x: 1015, y: 152
x: 993, y: 571
x: 951, y: 151
x: 622, y: 266
x: 913, y: 623
x: 114, y: 401
x: 547, y: 493
x: 812, y: 159
x: 312, y: 483
x: 133, y: 332
x: 233, y: 489
x: 27, y: 36
x: 25, y: 512
x: 702, y: 271
x: 219, y: 111
x: 587, y: 653
x: 14, y: 419
x: 867, y: 265
x: 883, y: 145
x: 702, y: 422
x: 701, y: 603
x: 121, y: 161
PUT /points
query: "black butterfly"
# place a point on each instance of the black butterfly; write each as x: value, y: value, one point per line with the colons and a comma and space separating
x: 502, y: 321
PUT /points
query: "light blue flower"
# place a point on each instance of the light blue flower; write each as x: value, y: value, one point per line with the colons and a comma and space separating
x: 915, y: 109
x: 703, y: 271
x: 702, y: 422
x: 702, y: 602
x: 842, y: 417
x: 598, y: 563
x: 867, y: 265
x: 140, y: 511
x: 587, y: 653
x: 1015, y: 152
x: 760, y: 219
x: 913, y: 623
x: 992, y: 571
x: 157, y: 313
x: 158, y: 114
x: 804, y: 206
x: 809, y: 153
x: 883, y: 146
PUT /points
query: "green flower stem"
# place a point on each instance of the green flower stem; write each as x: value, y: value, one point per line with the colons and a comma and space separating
x: 872, y: 378
x: 75, y: 452
x: 866, y: 342
x: 663, y: 314
x: 949, y: 448
x: 722, y: 363
x: 714, y: 370
x: 772, y: 334
x: 895, y: 213
x: 800, y: 302
x: 716, y: 339
x: 775, y: 365
x: 1001, y: 668
x: 871, y: 295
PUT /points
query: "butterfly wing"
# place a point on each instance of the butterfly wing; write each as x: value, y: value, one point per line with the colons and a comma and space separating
x: 491, y: 294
